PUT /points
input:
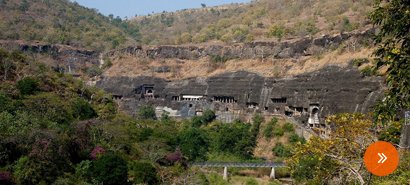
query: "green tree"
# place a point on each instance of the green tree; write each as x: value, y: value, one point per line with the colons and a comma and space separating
x: 146, y: 112
x: 277, y: 31
x: 393, y: 18
x: 235, y: 138
x: 207, y: 117
x: 110, y: 169
x: 193, y: 143
x: 281, y: 150
x: 288, y: 127
x: 27, y: 86
x: 83, y: 110
x: 49, y: 107
x: 143, y: 172
x: 338, y: 157
x: 31, y: 171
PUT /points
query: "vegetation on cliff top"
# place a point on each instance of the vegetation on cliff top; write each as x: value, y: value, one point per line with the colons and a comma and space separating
x: 63, y: 22
x: 263, y: 19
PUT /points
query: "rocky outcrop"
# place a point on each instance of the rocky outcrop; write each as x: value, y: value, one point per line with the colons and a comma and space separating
x: 66, y: 58
x: 327, y: 91
x: 258, y: 49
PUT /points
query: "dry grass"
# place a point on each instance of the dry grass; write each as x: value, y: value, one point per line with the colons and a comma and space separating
x: 182, y: 69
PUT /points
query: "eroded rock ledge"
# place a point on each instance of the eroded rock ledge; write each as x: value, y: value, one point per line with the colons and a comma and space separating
x: 68, y: 58
x: 258, y: 49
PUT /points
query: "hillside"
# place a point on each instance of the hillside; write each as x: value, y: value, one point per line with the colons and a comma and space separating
x: 62, y: 22
x: 262, y: 19
x: 266, y: 58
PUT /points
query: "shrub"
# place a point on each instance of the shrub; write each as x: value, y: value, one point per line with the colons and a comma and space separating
x: 278, y: 132
x: 281, y: 150
x: 235, y: 138
x: 288, y: 127
x: 219, y: 59
x: 392, y: 133
x: 146, y: 112
x: 277, y: 31
x: 207, y: 117
x: 30, y: 171
x: 83, y: 110
x: 282, y: 172
x: 27, y: 86
x: 251, y: 181
x: 359, y: 61
x: 294, y: 138
x: 144, y: 134
x: 268, y: 132
x: 94, y: 71
x: 368, y: 71
x: 97, y: 152
x: 110, y: 169
x: 143, y: 173
x: 193, y: 143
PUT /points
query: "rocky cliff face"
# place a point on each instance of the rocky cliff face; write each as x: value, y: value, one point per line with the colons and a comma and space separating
x: 258, y: 49
x: 65, y: 58
x: 233, y: 95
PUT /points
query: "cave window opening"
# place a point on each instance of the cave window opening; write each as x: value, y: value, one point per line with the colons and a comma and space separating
x: 279, y: 100
x: 288, y: 113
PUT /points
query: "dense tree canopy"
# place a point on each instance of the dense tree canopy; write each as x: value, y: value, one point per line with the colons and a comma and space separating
x: 393, y: 19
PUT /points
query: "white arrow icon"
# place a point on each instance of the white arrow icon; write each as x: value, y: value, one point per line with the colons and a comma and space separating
x: 382, y: 158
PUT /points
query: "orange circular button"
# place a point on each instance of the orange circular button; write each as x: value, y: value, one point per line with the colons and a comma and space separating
x: 381, y: 158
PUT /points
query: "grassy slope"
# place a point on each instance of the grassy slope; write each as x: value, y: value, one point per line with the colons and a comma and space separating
x: 246, y: 22
x: 59, y: 21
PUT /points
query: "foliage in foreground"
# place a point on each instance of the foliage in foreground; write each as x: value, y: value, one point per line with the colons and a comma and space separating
x: 337, y: 159
x: 393, y: 52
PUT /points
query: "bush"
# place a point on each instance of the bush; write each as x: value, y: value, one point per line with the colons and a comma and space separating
x: 281, y: 150
x: 27, y: 86
x: 282, y: 172
x: 207, y: 117
x: 143, y: 173
x: 359, y: 61
x: 30, y: 171
x: 277, y: 31
x: 83, y: 110
x: 144, y: 134
x: 193, y: 143
x: 235, y: 138
x: 288, y: 127
x: 251, y: 181
x: 94, y: 71
x: 146, y: 112
x: 219, y: 59
x: 110, y: 169
x: 392, y: 133
x: 268, y: 132
x: 278, y: 132
x: 294, y: 138
x: 368, y: 71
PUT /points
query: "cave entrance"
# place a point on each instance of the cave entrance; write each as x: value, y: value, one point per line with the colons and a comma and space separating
x: 314, y: 116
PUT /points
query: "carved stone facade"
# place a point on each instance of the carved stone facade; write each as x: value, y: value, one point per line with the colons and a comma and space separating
x: 308, y: 98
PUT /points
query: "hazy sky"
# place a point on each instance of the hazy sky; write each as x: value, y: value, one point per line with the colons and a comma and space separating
x: 130, y: 8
